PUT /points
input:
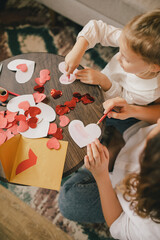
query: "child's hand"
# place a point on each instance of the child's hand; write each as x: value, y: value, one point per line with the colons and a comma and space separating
x: 97, y: 159
x: 122, y: 108
x: 72, y: 61
x: 91, y: 76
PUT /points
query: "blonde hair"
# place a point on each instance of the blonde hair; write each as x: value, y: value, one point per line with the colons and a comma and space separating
x: 143, y: 36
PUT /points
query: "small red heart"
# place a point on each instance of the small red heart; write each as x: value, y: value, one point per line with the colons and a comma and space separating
x: 58, y: 134
x: 39, y: 97
x: 64, y: 120
x: 3, y: 122
x: 39, y: 89
x: 61, y: 109
x: 32, y: 122
x: 25, y: 164
x: 23, y: 126
x: 77, y: 96
x: 24, y: 105
x: 22, y: 67
x: 56, y: 93
x: 53, y: 143
x: 71, y: 104
x: 52, y: 128
x: 86, y: 98
x: 33, y: 111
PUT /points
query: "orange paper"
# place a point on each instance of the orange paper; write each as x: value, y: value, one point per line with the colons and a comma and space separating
x: 29, y: 161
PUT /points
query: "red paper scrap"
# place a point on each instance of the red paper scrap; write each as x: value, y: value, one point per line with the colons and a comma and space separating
x: 2, y: 137
x: 53, y: 143
x: 32, y: 122
x: 22, y: 67
x: 25, y: 164
x: 62, y: 109
x: 39, y: 89
x: 23, y: 126
x: 58, y: 134
x: 56, y: 93
x: 64, y: 120
x: 24, y: 105
x: 52, y: 128
x: 71, y: 104
x: 39, y: 97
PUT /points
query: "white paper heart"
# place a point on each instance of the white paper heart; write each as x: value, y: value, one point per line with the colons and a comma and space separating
x: 46, y: 116
x: 64, y: 79
x: 22, y: 77
x: 83, y: 135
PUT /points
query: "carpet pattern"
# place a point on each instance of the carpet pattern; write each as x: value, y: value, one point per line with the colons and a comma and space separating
x: 27, y: 26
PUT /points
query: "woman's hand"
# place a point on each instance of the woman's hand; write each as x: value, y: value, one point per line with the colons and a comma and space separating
x: 123, y: 110
x: 97, y: 159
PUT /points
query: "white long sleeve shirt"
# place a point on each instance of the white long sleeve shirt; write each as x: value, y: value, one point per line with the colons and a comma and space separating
x: 129, y: 226
x: 133, y: 89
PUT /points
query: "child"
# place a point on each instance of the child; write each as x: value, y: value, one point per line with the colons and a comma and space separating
x: 133, y: 73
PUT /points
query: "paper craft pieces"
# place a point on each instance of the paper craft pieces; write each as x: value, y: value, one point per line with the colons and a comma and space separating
x: 56, y: 93
x: 53, y: 143
x: 64, y: 121
x: 24, y: 69
x: 30, y: 162
x: 39, y: 89
x: 83, y: 135
x: 44, y: 76
x: 39, y: 97
x: 64, y: 79
x: 37, y: 116
x: 25, y: 164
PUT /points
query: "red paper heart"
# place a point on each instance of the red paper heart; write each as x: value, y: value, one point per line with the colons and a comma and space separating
x: 40, y: 82
x: 23, y: 126
x: 64, y: 120
x: 22, y: 67
x: 62, y: 109
x: 39, y: 89
x: 32, y: 122
x: 10, y: 116
x: 71, y: 104
x: 27, y: 163
x: 53, y: 143
x: 9, y: 134
x: 52, y: 128
x: 20, y: 117
x: 45, y: 74
x: 33, y: 111
x: 77, y: 96
x: 24, y: 105
x: 56, y: 93
x: 39, y: 97
x: 86, y: 98
x: 58, y: 134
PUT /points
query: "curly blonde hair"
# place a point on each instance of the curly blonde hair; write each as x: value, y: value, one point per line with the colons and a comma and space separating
x: 143, y: 36
x: 142, y: 189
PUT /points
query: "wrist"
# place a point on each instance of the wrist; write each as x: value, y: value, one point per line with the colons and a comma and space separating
x: 104, y: 82
x: 102, y: 178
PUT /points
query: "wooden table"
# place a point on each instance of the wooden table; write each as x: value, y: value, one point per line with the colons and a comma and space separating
x: 89, y: 113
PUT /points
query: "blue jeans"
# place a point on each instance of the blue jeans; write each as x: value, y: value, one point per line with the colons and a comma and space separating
x: 121, y: 125
x: 79, y: 199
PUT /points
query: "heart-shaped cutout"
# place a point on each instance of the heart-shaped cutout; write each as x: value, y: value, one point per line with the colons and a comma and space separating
x: 22, y: 76
x: 24, y: 105
x: 53, y: 143
x: 64, y: 79
x: 31, y: 161
x: 22, y: 67
x: 39, y: 97
x: 64, y: 120
x: 2, y: 137
x: 23, y: 126
x: 83, y: 135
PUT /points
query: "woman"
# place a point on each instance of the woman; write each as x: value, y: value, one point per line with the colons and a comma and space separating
x: 130, y: 208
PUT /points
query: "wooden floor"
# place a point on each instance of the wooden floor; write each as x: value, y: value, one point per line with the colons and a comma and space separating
x: 18, y: 221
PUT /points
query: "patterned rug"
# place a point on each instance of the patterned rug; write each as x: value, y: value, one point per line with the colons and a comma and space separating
x: 27, y: 26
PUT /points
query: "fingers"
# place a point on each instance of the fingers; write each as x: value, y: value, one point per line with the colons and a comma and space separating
x: 114, y: 102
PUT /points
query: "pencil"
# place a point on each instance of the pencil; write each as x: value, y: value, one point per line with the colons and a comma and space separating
x: 12, y: 93
x: 101, y: 119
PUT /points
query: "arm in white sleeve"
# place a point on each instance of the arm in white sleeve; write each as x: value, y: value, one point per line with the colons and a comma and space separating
x: 124, y: 229
x: 99, y: 32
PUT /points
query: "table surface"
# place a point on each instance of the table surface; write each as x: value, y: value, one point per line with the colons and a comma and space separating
x: 89, y: 113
